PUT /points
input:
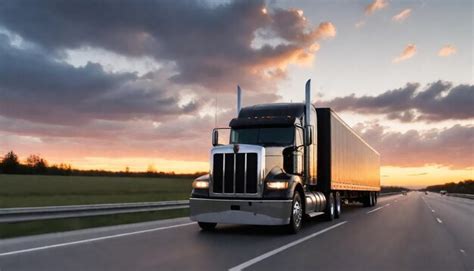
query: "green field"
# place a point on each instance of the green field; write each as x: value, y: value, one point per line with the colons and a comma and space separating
x: 35, y: 190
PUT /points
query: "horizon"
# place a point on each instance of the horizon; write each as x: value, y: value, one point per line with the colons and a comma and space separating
x: 109, y: 92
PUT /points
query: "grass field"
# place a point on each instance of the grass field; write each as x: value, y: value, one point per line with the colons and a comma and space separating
x: 35, y: 190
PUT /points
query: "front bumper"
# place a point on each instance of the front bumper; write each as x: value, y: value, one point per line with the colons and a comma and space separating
x: 234, y: 211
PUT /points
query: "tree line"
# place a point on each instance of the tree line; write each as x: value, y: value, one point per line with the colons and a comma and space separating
x: 463, y: 187
x: 36, y: 165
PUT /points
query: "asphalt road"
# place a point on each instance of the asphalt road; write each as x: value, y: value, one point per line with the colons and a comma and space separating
x: 413, y: 232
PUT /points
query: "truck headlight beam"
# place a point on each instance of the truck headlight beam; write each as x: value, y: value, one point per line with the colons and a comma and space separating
x: 277, y: 185
x: 200, y: 184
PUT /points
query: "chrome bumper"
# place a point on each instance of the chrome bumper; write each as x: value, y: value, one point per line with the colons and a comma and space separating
x: 233, y: 211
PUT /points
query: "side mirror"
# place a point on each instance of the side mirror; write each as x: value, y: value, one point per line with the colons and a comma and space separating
x: 215, y: 137
x: 308, y: 132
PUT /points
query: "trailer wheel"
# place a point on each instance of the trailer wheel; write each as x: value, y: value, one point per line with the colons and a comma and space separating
x: 296, y: 216
x: 330, y: 208
x: 376, y: 198
x: 207, y: 226
x: 337, y: 211
x: 367, y: 199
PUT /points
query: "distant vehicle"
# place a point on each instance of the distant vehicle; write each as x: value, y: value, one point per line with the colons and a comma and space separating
x: 404, y: 192
x: 426, y: 192
x: 283, y: 162
x: 443, y: 192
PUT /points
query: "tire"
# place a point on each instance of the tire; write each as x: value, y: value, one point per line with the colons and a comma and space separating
x: 337, y: 210
x: 375, y: 198
x: 296, y: 215
x: 330, y: 208
x: 367, y: 200
x: 207, y: 226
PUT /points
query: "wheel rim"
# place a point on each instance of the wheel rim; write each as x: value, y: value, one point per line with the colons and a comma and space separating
x: 297, y: 213
x: 338, y: 206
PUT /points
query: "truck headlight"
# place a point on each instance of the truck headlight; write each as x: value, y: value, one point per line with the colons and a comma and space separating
x: 277, y: 185
x: 197, y: 184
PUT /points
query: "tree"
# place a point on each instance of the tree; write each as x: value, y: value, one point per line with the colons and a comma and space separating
x: 10, y: 163
x: 36, y: 163
x: 151, y: 170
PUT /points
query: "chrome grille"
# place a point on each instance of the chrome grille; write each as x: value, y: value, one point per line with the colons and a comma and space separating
x: 235, y: 173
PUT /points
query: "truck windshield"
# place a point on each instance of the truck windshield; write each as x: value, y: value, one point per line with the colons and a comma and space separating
x: 265, y: 136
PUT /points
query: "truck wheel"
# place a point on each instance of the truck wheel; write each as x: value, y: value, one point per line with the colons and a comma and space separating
x: 330, y: 208
x: 296, y: 214
x: 375, y: 198
x: 337, y: 211
x: 366, y: 200
x: 207, y: 226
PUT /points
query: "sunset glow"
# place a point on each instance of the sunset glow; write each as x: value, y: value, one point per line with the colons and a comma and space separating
x: 125, y: 93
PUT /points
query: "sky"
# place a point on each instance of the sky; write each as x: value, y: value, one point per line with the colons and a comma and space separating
x: 109, y: 85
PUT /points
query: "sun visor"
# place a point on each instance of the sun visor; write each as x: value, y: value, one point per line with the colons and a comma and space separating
x: 274, y: 121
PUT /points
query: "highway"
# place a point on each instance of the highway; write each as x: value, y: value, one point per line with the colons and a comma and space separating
x: 413, y: 232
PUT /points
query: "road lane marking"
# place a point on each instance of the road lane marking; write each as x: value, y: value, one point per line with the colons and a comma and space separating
x: 439, y: 220
x: 92, y: 239
x: 432, y: 210
x: 282, y: 248
x: 463, y: 252
x: 376, y: 209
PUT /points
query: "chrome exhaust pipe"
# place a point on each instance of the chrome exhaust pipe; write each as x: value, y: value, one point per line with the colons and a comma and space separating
x: 239, y: 100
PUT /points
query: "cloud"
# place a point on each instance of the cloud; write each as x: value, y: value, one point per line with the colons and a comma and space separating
x: 374, y: 6
x: 400, y: 17
x: 189, y: 41
x: 437, y: 101
x: 35, y: 86
x: 359, y: 24
x: 451, y: 147
x: 408, y: 52
x: 447, y: 50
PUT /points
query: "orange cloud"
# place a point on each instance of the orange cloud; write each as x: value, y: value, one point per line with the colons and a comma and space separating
x: 326, y: 30
x: 374, y: 6
x: 400, y: 17
x: 408, y: 52
x: 447, y: 50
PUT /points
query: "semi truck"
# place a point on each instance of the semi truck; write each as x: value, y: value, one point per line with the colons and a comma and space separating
x: 283, y: 163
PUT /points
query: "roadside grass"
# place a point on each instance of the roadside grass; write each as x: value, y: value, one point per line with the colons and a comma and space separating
x: 9, y: 230
x: 41, y: 190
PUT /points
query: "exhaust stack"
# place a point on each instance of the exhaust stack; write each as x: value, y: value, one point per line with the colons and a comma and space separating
x: 308, y: 132
x: 239, y: 100
x: 308, y: 103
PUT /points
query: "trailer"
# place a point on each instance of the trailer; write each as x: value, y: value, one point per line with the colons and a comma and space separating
x: 282, y: 163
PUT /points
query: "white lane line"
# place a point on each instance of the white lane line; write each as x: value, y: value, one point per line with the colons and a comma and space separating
x: 376, y: 209
x: 92, y: 239
x: 432, y: 210
x: 439, y: 220
x: 282, y: 248
x: 463, y: 252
